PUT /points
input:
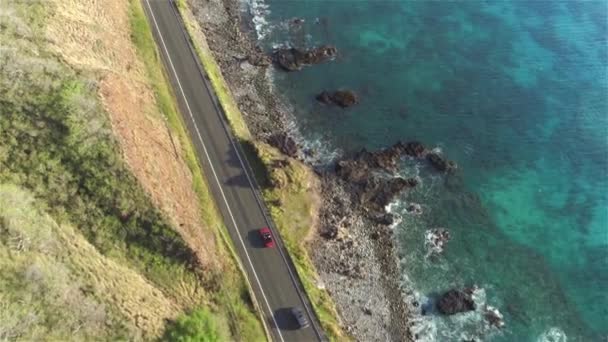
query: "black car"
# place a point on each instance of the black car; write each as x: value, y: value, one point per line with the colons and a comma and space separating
x: 300, y: 317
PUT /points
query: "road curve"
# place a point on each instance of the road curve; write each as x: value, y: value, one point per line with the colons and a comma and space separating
x: 269, y: 270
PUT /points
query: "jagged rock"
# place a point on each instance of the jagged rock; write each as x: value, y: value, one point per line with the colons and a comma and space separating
x: 292, y: 59
x: 414, y: 209
x: 284, y: 143
x: 386, y: 220
x: 413, y: 149
x: 494, y: 317
x: 456, y: 301
x: 342, y: 98
x: 296, y: 21
x: 359, y: 168
x: 388, y: 190
x: 440, y: 163
x: 352, y: 171
x: 259, y: 60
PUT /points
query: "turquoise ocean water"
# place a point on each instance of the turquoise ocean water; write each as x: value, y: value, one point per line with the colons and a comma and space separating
x: 516, y: 93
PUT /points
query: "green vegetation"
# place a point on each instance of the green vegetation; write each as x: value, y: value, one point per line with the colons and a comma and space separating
x: 200, y: 326
x: 286, y: 189
x: 230, y: 294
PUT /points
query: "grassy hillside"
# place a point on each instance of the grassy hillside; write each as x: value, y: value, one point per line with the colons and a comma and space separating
x: 85, y: 253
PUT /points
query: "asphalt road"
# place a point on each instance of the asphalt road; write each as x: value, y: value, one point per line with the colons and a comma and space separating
x: 268, y: 270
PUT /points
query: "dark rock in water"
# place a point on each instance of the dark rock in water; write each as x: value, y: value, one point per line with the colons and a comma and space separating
x: 413, y: 149
x: 342, y: 98
x: 494, y: 317
x: 386, y: 159
x: 296, y: 21
x: 366, y: 180
x: 456, y: 301
x: 386, y: 220
x: 414, y: 209
x: 361, y: 164
x: 388, y: 190
x: 440, y: 163
x: 324, y: 97
x: 284, y: 143
x: 367, y: 186
x: 350, y: 171
x: 292, y: 59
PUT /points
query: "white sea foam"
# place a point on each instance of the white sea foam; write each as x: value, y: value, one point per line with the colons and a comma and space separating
x: 437, y: 149
x: 259, y: 10
x: 469, y: 149
x: 389, y: 208
x: 429, y: 326
x: 553, y: 334
x: 323, y: 152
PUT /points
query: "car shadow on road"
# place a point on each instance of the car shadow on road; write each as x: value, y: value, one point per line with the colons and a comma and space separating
x: 285, y: 320
x: 240, y: 181
x: 254, y: 238
x: 233, y: 161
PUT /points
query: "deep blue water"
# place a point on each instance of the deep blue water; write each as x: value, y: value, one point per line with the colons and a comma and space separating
x: 516, y: 93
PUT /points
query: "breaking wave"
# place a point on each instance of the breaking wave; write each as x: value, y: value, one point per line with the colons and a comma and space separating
x: 259, y: 11
x: 553, y: 334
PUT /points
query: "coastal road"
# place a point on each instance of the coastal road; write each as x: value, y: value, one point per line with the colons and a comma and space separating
x: 269, y: 271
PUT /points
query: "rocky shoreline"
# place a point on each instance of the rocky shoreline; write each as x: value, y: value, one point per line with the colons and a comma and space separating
x: 354, y: 251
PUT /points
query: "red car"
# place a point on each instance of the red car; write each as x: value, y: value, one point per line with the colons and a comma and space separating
x: 266, y: 237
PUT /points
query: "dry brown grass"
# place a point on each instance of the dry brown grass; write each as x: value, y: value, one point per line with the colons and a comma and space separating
x: 93, y: 36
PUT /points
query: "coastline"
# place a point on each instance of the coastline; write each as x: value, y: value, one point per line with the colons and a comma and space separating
x: 358, y: 265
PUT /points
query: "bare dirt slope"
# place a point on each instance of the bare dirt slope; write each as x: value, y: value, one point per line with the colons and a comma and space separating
x: 94, y: 36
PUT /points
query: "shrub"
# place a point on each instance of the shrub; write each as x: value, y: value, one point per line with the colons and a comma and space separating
x: 199, y: 326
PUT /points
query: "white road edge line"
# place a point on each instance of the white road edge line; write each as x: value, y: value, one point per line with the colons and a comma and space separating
x: 213, y: 169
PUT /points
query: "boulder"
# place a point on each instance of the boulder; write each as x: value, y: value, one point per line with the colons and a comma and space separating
x: 494, y: 317
x: 385, y: 220
x: 387, y: 190
x: 284, y: 143
x: 353, y: 171
x: 413, y: 149
x: 386, y: 159
x: 329, y: 232
x: 414, y: 209
x: 456, y: 301
x: 440, y: 163
x: 292, y: 59
x: 342, y: 98
x: 259, y: 60
x: 296, y: 21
